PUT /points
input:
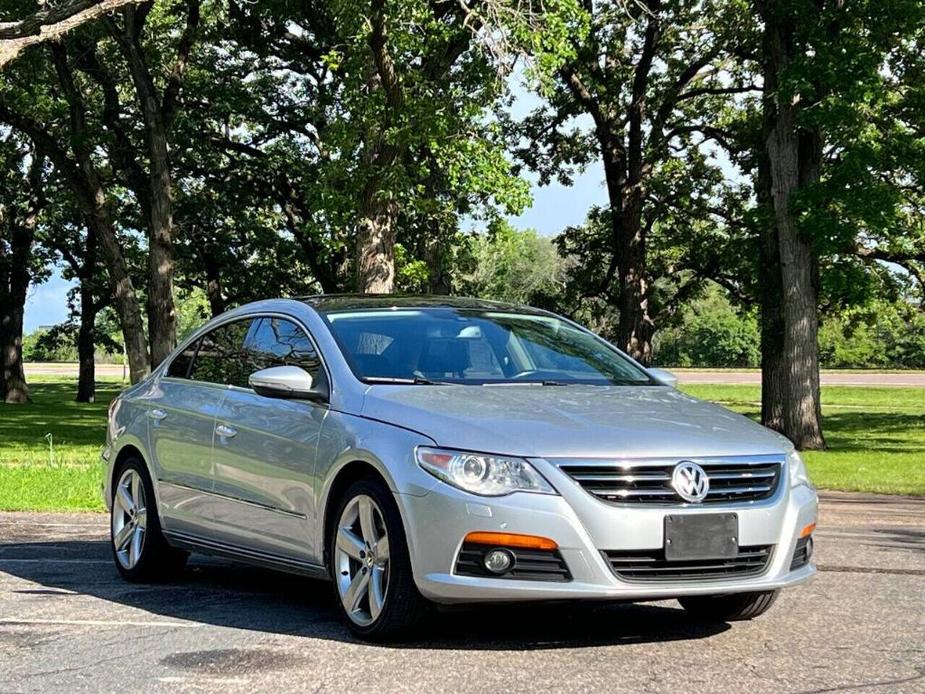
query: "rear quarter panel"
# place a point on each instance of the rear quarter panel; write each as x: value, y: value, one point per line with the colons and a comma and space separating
x: 127, y: 427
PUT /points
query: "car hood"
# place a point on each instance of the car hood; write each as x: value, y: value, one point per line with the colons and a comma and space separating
x: 571, y: 421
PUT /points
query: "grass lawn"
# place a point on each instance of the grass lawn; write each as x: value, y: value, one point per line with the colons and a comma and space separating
x: 876, y: 438
x: 31, y: 477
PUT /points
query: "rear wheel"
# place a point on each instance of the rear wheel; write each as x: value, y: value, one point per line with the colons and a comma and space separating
x: 733, y: 607
x: 139, y: 549
x: 370, y: 564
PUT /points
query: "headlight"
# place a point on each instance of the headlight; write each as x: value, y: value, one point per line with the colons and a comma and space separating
x: 487, y: 475
x: 798, y: 473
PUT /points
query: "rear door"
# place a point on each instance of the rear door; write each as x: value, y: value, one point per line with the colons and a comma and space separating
x: 264, y: 453
x: 182, y: 423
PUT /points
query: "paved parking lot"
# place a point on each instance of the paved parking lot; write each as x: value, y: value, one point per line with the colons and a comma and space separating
x: 67, y: 622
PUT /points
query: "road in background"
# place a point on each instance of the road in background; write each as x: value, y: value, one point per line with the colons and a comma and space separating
x: 34, y: 369
x: 69, y: 623
x: 828, y: 377
x: 716, y: 376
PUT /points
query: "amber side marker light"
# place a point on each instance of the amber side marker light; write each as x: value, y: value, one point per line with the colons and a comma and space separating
x: 808, y: 530
x: 511, y: 540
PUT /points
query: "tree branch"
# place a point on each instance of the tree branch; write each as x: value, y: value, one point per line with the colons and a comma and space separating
x: 88, y: 62
x: 637, y: 107
x: 717, y: 91
x: 184, y: 48
x: 50, y: 24
x: 581, y: 92
x: 43, y: 140
x: 385, y: 66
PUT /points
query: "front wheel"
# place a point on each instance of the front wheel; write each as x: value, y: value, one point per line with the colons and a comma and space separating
x: 370, y: 564
x: 733, y: 607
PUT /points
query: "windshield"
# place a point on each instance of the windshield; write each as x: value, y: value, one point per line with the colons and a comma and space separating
x: 475, y: 347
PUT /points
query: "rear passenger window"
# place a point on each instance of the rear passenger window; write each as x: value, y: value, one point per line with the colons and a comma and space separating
x: 279, y: 342
x: 179, y: 367
x: 220, y: 358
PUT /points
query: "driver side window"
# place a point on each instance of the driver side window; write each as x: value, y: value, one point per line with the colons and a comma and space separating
x: 280, y: 342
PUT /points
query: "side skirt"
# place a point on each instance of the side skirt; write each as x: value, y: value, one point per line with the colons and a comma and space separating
x: 246, y: 556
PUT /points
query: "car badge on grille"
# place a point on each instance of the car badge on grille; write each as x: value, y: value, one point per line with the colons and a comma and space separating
x: 690, y: 481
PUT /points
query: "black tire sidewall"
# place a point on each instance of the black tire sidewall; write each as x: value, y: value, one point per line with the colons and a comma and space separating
x: 404, y: 605
x: 732, y: 607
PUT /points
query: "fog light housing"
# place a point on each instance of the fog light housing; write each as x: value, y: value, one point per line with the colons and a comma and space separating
x: 498, y: 561
x: 809, y: 548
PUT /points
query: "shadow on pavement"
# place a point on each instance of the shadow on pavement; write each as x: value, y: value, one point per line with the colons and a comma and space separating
x: 224, y: 594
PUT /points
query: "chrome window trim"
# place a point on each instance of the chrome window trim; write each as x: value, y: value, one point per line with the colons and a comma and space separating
x: 225, y: 320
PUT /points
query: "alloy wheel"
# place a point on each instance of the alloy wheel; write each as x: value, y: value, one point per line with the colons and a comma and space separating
x: 129, y: 518
x: 361, y: 560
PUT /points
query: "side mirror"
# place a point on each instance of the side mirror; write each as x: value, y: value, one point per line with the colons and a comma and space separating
x: 292, y: 382
x: 666, y: 378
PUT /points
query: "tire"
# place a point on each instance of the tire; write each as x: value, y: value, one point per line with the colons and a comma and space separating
x: 391, y: 606
x: 735, y: 607
x: 145, y: 556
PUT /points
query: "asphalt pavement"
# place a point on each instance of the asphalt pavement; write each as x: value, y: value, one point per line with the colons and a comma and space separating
x: 69, y: 623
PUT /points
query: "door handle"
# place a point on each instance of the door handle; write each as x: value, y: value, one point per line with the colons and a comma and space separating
x: 226, y: 432
x: 157, y: 414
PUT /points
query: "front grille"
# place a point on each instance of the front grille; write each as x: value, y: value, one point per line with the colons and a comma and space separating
x: 732, y: 480
x: 651, y: 565
x: 529, y: 564
x: 802, y: 553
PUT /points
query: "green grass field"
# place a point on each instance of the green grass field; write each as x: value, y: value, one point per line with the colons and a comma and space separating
x: 876, y: 438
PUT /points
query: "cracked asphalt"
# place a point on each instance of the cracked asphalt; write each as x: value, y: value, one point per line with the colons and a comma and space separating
x: 69, y: 623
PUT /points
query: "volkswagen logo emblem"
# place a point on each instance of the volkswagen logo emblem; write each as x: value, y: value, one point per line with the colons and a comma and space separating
x: 690, y: 481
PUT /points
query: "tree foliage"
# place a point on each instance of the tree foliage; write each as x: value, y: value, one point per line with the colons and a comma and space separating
x: 202, y: 154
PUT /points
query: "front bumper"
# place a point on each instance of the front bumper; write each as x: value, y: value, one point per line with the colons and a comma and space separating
x: 583, y: 526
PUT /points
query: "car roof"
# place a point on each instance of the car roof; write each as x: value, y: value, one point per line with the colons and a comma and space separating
x: 327, y: 303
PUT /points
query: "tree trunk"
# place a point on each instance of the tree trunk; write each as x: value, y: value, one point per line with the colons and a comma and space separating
x: 439, y: 282
x: 14, y: 387
x: 790, y: 353
x: 123, y: 290
x: 86, y: 346
x: 86, y: 335
x: 162, y: 317
x: 84, y: 181
x: 213, y: 273
x: 376, y: 242
x: 16, y: 277
x: 378, y: 208
x: 635, y: 327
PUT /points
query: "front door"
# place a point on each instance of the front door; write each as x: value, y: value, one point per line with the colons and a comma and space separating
x: 264, y: 453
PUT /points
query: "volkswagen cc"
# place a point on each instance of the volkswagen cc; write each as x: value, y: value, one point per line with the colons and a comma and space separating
x: 422, y: 450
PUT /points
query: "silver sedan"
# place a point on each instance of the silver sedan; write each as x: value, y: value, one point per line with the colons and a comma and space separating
x: 434, y: 450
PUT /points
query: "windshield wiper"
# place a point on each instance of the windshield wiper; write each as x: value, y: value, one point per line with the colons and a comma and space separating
x: 416, y: 381
x: 493, y: 384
